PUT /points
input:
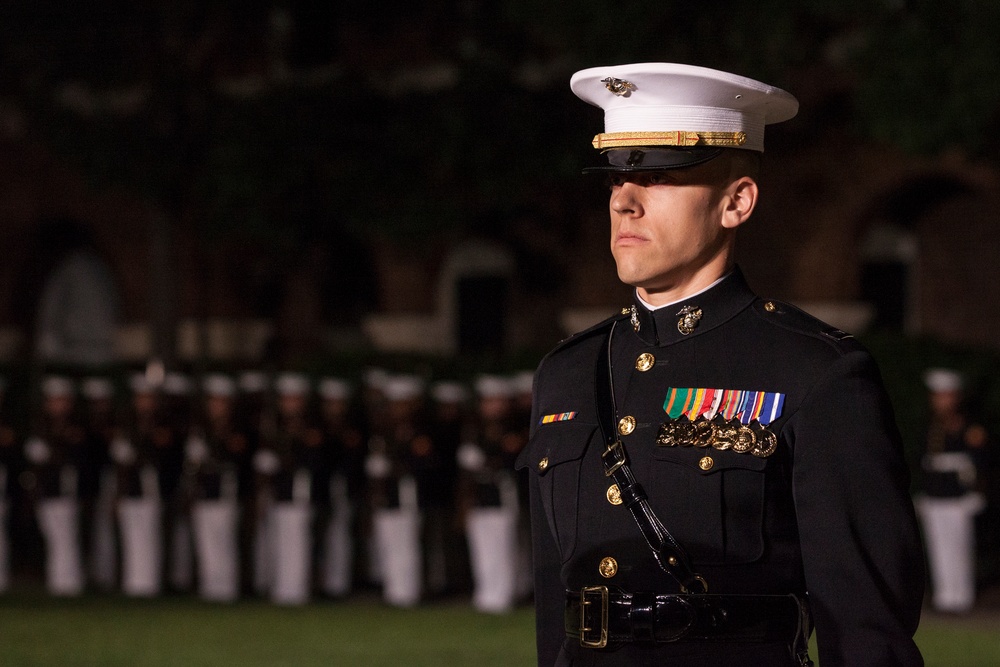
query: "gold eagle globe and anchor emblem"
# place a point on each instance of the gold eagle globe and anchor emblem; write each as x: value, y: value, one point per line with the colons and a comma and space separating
x: 619, y: 87
x: 690, y: 316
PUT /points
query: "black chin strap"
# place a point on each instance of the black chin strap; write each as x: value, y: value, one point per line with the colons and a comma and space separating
x: 669, y: 554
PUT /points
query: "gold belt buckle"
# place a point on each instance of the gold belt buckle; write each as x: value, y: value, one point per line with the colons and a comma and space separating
x: 615, y: 447
x: 601, y: 639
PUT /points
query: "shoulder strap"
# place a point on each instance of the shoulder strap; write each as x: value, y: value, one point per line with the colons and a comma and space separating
x: 669, y: 554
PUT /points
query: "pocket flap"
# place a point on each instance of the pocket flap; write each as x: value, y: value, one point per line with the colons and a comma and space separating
x: 721, y: 459
x: 554, y: 444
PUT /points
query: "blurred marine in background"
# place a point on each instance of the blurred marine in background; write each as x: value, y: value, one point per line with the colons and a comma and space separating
x: 952, y: 463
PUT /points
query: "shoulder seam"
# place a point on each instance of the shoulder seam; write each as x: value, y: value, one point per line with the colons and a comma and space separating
x: 586, y: 333
x: 824, y: 335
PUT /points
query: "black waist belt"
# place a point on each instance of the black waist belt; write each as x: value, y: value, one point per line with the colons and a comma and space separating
x: 600, y: 617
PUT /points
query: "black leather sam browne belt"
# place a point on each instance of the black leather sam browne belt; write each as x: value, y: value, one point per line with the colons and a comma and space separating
x: 601, y: 616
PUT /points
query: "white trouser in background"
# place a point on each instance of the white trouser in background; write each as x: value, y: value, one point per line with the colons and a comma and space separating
x: 59, y: 523
x: 291, y: 549
x: 397, y: 539
x: 492, y: 535
x: 338, y: 546
x: 140, y: 527
x: 949, y: 532
x: 215, y: 526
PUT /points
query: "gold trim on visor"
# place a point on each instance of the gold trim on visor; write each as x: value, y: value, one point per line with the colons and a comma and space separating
x: 610, y: 140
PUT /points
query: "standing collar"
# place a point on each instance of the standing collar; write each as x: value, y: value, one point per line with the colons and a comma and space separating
x: 702, y: 311
x: 651, y: 307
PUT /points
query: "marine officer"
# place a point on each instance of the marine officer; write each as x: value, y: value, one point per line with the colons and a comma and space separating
x: 711, y: 473
x: 54, y: 454
x: 345, y: 436
x: 489, y: 500
x: 140, y: 508
x: 397, y: 456
x: 215, y: 453
x: 956, y: 452
x: 291, y: 466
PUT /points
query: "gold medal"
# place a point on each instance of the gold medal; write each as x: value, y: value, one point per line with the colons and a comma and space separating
x: 683, y: 431
x: 703, y: 434
x: 745, y: 440
x: 767, y: 444
x: 665, y: 436
x: 725, y: 437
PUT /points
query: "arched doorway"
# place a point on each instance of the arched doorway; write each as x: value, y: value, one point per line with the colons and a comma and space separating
x: 890, y: 249
x: 473, y: 294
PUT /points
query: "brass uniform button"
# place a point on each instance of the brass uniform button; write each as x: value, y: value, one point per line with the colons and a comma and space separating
x: 706, y: 463
x: 644, y: 362
x: 626, y: 425
x: 770, y: 307
x: 543, y: 464
x: 614, y: 495
x: 608, y: 567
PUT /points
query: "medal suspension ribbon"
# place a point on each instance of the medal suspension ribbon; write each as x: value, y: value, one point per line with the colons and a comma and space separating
x: 668, y: 552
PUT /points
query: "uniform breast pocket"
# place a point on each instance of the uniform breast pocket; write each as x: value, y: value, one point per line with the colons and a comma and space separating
x: 717, y: 508
x: 557, y: 451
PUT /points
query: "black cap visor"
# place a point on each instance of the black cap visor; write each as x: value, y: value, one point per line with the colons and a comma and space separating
x: 652, y: 159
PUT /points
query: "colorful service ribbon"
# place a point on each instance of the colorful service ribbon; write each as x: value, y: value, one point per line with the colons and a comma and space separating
x: 747, y: 406
x: 558, y: 417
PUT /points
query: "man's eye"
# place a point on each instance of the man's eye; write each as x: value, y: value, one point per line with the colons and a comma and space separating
x: 657, y: 178
x: 616, y: 180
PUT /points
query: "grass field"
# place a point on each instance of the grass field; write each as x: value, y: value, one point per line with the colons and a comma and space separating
x: 109, y: 631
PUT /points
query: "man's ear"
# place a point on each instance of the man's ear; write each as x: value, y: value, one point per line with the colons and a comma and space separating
x: 739, y: 201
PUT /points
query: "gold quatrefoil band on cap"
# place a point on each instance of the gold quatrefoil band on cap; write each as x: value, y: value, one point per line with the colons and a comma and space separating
x: 608, y: 140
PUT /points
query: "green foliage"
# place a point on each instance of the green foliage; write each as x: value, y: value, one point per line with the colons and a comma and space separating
x: 927, y: 76
x: 418, y: 163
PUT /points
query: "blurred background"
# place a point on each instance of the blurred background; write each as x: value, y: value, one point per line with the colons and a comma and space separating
x: 326, y: 186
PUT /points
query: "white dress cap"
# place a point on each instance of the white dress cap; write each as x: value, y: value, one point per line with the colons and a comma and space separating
x: 291, y: 384
x: 176, y: 384
x: 403, y: 387
x: 668, y: 104
x: 334, y: 389
x: 376, y: 378
x: 139, y: 383
x: 253, y: 382
x: 447, y: 391
x: 97, y: 388
x: 523, y: 382
x: 217, y: 384
x: 942, y: 380
x: 493, y: 386
x: 57, y: 386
